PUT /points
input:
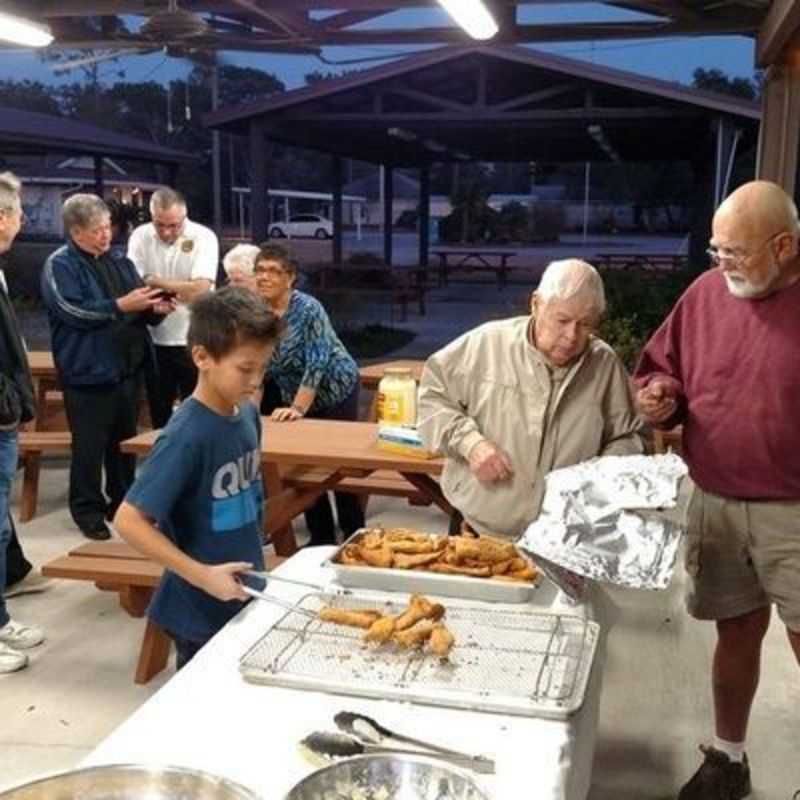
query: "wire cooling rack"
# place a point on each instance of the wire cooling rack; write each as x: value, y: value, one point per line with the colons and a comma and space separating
x: 511, y: 661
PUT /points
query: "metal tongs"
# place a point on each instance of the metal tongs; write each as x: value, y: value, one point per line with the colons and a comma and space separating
x: 374, y: 735
x: 268, y: 577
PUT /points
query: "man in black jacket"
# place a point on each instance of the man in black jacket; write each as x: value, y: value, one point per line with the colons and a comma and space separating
x: 99, y: 310
x: 16, y: 406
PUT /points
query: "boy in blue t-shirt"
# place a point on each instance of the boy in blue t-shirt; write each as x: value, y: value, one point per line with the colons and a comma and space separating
x: 196, y: 505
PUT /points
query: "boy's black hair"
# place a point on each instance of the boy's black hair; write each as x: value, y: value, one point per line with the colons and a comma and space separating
x: 223, y: 320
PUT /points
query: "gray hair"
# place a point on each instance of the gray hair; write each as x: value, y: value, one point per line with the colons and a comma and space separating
x: 10, y: 187
x: 83, y: 210
x: 165, y: 198
x: 565, y: 279
x: 241, y: 257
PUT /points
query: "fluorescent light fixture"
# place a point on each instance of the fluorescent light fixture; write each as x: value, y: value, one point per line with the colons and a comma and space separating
x: 402, y: 133
x: 473, y: 16
x: 22, y: 31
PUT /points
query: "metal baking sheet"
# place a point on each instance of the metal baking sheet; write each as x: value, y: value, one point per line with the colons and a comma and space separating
x: 416, y: 580
x: 505, y: 660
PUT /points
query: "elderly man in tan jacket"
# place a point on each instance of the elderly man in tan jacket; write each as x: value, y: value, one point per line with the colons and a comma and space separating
x: 511, y: 400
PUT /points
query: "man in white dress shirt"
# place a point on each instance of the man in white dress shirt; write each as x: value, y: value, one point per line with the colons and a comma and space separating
x: 180, y: 257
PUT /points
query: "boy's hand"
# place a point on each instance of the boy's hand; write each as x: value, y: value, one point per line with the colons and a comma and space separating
x: 219, y: 580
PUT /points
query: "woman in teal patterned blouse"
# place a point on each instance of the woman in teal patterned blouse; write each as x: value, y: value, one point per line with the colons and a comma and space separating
x: 314, y: 374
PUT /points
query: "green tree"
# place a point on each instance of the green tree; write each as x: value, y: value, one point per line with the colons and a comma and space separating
x: 29, y: 96
x: 715, y: 80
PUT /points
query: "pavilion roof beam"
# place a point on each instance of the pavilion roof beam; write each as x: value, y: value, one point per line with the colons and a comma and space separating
x: 292, y: 23
x: 345, y: 19
x: 781, y: 26
x: 551, y: 32
x: 481, y: 117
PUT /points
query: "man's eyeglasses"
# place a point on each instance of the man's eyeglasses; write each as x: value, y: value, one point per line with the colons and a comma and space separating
x: 738, y: 259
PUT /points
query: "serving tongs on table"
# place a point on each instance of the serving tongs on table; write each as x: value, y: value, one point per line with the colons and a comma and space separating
x: 372, y: 734
x: 338, y: 745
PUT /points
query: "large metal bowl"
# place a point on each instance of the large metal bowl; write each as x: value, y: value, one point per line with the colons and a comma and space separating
x: 395, y: 777
x: 131, y: 782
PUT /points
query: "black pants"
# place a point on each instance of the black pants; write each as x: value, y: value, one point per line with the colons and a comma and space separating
x: 173, y: 376
x: 100, y: 417
x: 17, y: 566
x: 319, y: 518
x: 185, y: 650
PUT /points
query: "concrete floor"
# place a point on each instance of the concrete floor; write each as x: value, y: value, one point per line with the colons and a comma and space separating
x: 655, y: 701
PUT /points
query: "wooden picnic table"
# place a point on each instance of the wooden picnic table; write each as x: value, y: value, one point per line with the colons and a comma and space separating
x: 648, y: 261
x: 344, y: 449
x: 473, y: 258
x: 45, y: 379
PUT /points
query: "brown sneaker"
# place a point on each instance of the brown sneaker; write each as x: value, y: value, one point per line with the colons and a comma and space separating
x: 718, y: 778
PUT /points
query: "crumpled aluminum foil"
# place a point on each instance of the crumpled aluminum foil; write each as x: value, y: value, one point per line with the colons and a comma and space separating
x: 606, y: 519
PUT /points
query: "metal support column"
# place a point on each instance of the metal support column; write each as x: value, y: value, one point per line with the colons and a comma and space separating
x: 338, y: 183
x: 259, y: 222
x: 388, y: 205
x: 424, y: 214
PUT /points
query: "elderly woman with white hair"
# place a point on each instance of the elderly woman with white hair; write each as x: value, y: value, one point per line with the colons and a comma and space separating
x: 239, y: 263
x: 512, y: 400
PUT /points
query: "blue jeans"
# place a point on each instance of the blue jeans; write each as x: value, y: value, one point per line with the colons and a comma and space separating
x: 8, y: 471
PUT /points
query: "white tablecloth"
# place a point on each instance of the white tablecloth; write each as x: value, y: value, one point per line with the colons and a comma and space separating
x: 207, y: 717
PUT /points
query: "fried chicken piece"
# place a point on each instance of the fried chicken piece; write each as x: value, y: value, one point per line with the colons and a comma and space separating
x: 501, y: 567
x: 412, y: 546
x: 483, y: 549
x: 381, y: 630
x: 351, y: 556
x: 382, y: 557
x: 372, y: 539
x: 405, y: 534
x: 415, y: 636
x: 406, y: 561
x: 527, y: 574
x: 419, y: 608
x: 354, y: 617
x: 441, y: 640
x: 458, y: 569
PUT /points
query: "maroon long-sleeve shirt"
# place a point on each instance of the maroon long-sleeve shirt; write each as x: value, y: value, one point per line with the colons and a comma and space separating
x: 736, y: 364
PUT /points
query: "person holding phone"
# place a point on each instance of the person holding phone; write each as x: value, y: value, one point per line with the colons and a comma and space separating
x: 180, y: 258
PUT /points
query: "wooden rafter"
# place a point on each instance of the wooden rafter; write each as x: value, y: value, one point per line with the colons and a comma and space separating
x: 781, y: 26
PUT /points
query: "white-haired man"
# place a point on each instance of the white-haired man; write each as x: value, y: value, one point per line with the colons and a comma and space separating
x: 511, y: 400
x: 724, y: 364
x: 16, y: 406
x: 181, y: 258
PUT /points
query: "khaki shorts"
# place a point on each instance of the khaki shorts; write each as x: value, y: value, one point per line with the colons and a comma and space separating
x: 742, y: 555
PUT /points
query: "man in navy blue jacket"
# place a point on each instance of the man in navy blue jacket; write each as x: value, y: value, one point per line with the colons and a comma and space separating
x: 99, y: 310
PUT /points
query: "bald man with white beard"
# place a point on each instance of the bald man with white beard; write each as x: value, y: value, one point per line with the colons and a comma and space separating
x: 724, y: 365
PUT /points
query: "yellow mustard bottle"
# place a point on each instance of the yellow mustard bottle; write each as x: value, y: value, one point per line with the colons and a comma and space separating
x: 397, y: 397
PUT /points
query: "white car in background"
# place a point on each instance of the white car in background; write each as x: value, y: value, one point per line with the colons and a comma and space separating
x: 302, y: 225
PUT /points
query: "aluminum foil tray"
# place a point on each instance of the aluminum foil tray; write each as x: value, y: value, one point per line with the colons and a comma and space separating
x: 505, y: 660
x: 416, y: 580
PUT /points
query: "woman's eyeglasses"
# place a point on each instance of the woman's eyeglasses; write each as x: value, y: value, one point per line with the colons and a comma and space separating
x: 272, y: 272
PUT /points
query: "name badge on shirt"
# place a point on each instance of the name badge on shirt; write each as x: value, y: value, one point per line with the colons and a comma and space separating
x: 187, y: 245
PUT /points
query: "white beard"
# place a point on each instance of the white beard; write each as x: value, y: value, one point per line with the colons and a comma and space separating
x: 744, y: 289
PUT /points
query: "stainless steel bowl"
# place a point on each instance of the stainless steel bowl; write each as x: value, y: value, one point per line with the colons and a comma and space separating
x: 131, y: 782
x: 396, y: 777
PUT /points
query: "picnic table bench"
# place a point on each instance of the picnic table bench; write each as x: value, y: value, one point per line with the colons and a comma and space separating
x: 647, y: 261
x: 117, y: 567
x: 402, y: 285
x: 451, y: 259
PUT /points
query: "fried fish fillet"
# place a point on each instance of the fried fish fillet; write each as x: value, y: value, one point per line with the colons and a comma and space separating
x: 441, y: 640
x: 380, y: 557
x: 381, y: 630
x: 415, y: 636
x: 419, y: 608
x: 354, y: 617
x: 458, y: 569
x: 406, y: 561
